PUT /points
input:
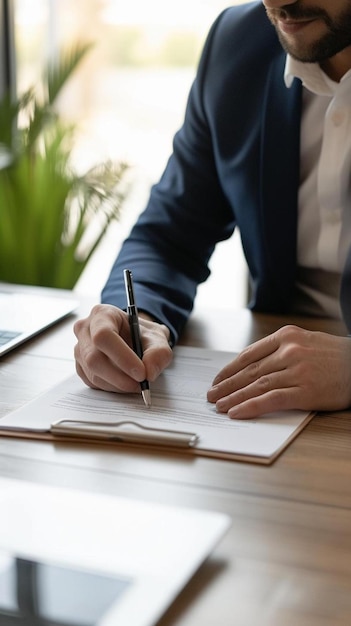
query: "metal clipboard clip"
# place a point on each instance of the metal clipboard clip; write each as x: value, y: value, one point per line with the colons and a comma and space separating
x: 124, y: 431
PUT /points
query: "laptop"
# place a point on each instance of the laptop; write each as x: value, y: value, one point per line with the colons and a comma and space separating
x: 69, y: 558
x: 24, y: 314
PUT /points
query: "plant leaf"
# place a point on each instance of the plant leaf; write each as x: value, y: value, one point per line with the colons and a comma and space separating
x: 56, y: 75
x: 47, y: 210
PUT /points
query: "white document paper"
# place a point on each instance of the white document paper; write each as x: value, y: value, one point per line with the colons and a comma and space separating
x: 178, y: 404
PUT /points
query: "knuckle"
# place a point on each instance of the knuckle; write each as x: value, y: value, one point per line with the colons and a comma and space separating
x: 290, y: 332
x: 264, y: 383
x: 77, y: 326
x: 166, y: 355
x: 294, y: 334
x: 253, y: 370
x: 297, y: 355
x: 91, y: 361
x: 244, y: 358
x: 101, y: 337
x: 97, y: 309
x: 94, y: 380
x: 291, y: 352
x: 290, y: 328
x: 79, y: 369
x: 157, y: 360
x: 76, y: 352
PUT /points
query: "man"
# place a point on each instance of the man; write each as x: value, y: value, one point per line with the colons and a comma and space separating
x: 266, y: 145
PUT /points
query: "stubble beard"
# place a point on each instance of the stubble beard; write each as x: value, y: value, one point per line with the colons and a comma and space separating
x: 337, y: 37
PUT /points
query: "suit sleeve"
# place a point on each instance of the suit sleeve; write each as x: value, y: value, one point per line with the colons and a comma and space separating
x: 170, y: 245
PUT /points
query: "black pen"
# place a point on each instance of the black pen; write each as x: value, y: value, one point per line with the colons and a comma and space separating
x: 135, y: 330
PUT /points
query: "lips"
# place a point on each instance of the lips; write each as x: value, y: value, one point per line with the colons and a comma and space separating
x: 290, y: 27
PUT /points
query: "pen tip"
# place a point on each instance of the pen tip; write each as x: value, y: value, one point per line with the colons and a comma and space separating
x: 146, y: 397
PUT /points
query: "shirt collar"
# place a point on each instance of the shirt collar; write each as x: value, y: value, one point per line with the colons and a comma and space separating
x: 311, y: 76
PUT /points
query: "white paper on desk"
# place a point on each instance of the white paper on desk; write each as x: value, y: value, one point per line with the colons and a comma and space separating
x: 178, y: 403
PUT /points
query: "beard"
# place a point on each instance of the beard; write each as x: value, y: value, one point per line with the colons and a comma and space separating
x: 336, y: 38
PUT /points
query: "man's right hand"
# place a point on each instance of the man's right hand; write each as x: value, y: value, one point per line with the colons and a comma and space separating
x: 104, y: 355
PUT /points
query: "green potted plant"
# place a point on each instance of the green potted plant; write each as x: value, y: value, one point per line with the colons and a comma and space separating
x: 46, y: 207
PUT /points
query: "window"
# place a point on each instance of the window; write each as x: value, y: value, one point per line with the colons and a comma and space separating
x: 129, y: 93
x: 7, y: 49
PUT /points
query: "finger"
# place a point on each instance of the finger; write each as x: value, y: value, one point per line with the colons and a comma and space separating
x: 97, y: 371
x: 109, y: 356
x: 85, y: 379
x: 157, y: 360
x: 115, y: 342
x: 95, y: 367
x: 250, y: 355
x: 157, y: 351
x: 105, y: 357
x: 263, y: 385
x: 253, y: 372
x: 270, y: 402
x: 99, y: 383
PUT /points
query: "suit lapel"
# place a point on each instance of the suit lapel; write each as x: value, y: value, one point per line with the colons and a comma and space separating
x: 280, y: 175
x: 280, y: 179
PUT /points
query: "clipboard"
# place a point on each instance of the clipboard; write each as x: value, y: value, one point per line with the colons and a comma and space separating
x: 179, y: 420
x: 124, y: 431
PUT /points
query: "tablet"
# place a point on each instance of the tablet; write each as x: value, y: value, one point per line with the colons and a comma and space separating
x: 69, y: 558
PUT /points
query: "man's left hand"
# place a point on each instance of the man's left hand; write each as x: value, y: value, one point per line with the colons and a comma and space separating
x: 290, y: 369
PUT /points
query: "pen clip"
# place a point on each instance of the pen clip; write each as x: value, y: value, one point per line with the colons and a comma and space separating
x: 124, y: 431
x: 128, y: 281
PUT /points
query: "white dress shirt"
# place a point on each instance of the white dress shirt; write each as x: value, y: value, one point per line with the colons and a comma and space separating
x: 324, y: 205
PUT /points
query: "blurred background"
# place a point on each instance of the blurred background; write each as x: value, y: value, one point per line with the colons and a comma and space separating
x: 128, y: 96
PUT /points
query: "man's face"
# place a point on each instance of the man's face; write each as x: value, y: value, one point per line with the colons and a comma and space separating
x: 311, y: 30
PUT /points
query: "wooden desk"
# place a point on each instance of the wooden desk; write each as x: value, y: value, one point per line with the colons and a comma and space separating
x: 286, y: 559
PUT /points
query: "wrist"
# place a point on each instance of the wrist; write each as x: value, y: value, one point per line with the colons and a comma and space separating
x: 146, y: 316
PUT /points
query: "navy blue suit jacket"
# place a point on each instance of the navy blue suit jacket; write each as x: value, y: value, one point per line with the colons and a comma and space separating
x: 235, y: 162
